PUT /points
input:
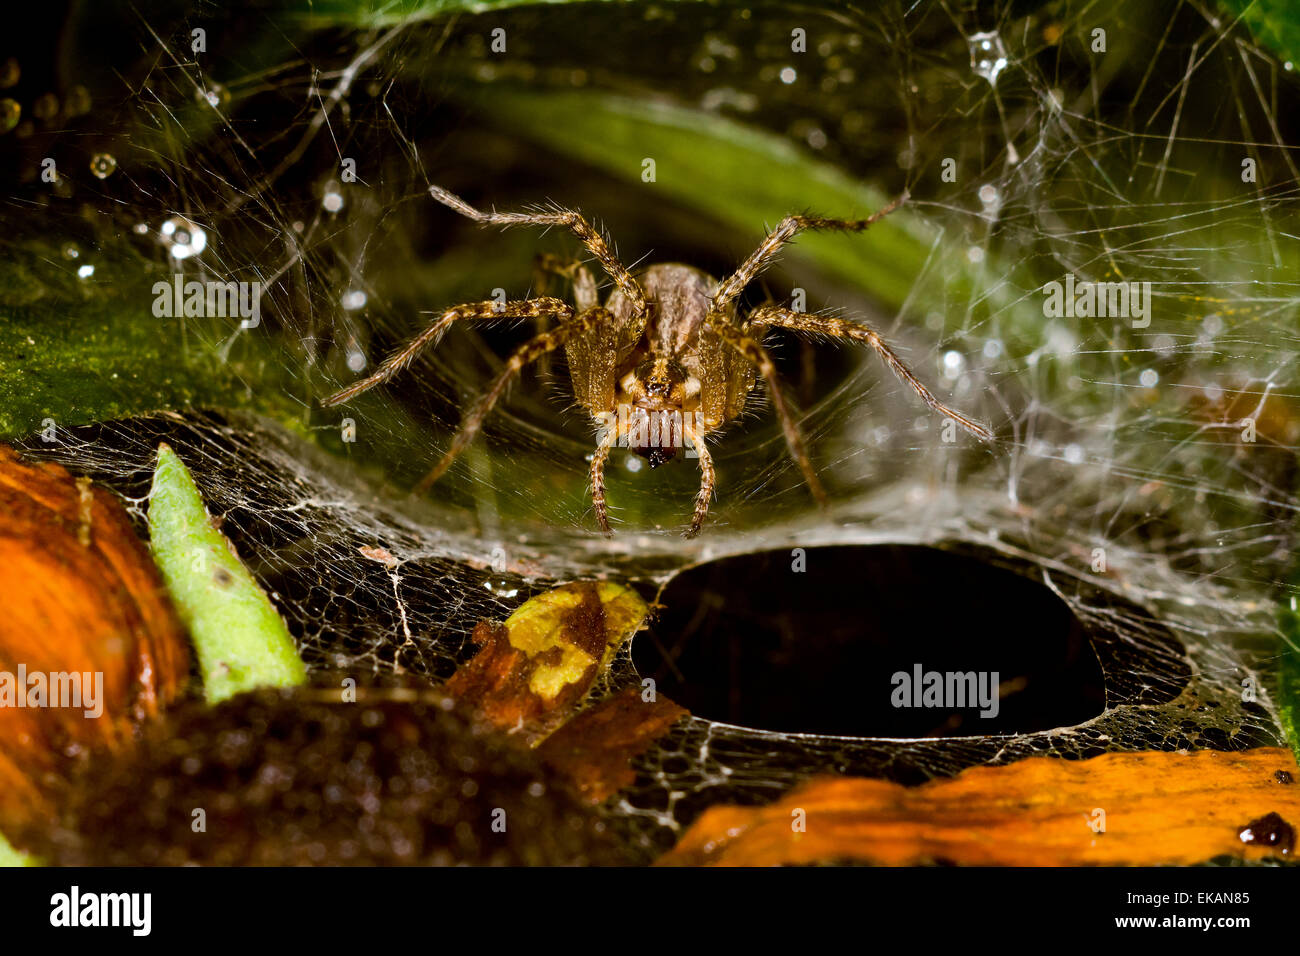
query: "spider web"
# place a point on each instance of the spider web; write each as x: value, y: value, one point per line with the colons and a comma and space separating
x: 1117, y: 443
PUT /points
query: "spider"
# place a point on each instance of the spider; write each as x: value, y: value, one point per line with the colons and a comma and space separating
x: 664, y: 362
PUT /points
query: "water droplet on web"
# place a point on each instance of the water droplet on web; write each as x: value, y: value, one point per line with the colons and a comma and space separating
x: 182, y: 237
x: 992, y: 348
x: 1213, y: 392
x: 954, y: 363
x: 988, y: 57
x: 789, y: 75
x: 975, y: 255
x: 215, y: 95
x: 501, y: 588
x: 102, y: 165
x: 354, y: 299
x: 632, y: 463
x: 1149, y: 378
x: 86, y: 271
x: 1212, y: 324
x: 1073, y: 454
x: 356, y: 358
x: 332, y: 201
x: 140, y: 228
x: 10, y: 114
x: 988, y: 194
x: 71, y: 251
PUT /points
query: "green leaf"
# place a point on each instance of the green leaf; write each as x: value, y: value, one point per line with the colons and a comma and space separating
x: 11, y: 857
x: 241, y: 640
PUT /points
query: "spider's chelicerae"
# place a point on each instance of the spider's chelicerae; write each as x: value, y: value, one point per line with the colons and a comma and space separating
x: 667, y: 360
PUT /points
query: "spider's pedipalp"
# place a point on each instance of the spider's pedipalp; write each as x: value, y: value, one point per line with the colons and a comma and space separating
x: 568, y: 218
x: 467, y: 312
x: 527, y: 353
x: 755, y: 353
x: 585, y: 293
x: 838, y: 328
x: 731, y: 287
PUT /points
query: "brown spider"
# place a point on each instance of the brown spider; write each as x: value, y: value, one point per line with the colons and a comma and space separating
x: 664, y: 362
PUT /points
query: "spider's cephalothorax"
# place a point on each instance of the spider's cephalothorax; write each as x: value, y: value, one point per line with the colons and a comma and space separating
x: 667, y: 359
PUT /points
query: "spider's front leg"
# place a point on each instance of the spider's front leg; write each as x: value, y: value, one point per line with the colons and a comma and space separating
x: 468, y: 312
x: 837, y: 328
x: 754, y: 352
x: 527, y: 353
x: 610, y: 433
x: 708, y: 479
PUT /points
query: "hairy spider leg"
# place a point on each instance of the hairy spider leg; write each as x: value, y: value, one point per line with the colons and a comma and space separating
x: 586, y: 295
x: 708, y: 479
x: 608, y: 439
x: 837, y: 328
x: 569, y: 219
x: 470, y: 311
x: 529, y: 352
x: 753, y: 351
x: 731, y: 287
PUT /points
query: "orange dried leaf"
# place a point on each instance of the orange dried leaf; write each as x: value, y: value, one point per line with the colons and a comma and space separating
x: 1159, y: 808
x: 82, y: 596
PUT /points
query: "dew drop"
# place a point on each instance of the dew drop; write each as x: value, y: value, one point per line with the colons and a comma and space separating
x: 1149, y: 378
x: 988, y: 194
x: 70, y: 251
x: 954, y: 363
x: 356, y: 358
x: 86, y: 271
x: 789, y: 75
x: 992, y: 348
x: 215, y: 95
x: 1073, y: 454
x: 988, y: 57
x: 182, y: 237
x: 332, y: 201
x: 353, y: 300
x: 102, y: 165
